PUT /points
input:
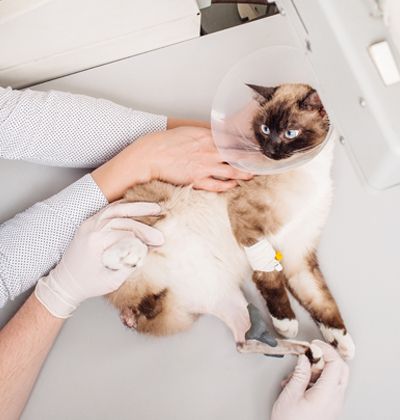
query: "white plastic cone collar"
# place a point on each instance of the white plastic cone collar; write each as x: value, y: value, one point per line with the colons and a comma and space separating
x: 234, y: 106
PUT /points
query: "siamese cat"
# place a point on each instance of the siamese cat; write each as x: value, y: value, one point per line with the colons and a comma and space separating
x: 202, y: 265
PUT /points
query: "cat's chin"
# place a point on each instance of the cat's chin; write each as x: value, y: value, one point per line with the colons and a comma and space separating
x: 276, y: 158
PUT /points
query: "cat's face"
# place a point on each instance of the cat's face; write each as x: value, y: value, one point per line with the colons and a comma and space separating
x: 291, y: 120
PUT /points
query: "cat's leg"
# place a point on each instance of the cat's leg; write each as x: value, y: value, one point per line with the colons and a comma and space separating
x: 251, y: 222
x: 306, y: 282
x: 232, y: 310
x: 272, y: 287
x: 150, y: 308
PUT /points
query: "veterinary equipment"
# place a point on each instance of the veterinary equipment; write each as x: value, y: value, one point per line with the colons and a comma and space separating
x: 355, y: 69
x: 353, y: 47
x: 259, y: 340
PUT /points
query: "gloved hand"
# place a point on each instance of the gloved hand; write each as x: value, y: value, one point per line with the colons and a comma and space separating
x: 81, y: 273
x: 324, y: 399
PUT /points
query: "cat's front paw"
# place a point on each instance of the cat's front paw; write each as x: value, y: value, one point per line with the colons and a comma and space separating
x: 286, y: 327
x: 340, y: 339
x: 129, y: 252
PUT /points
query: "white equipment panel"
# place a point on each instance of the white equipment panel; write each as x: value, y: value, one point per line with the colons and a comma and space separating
x: 45, y: 39
x: 355, y: 57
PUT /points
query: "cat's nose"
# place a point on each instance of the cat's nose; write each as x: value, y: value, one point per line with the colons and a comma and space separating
x: 275, y: 138
x: 269, y: 147
x: 272, y: 149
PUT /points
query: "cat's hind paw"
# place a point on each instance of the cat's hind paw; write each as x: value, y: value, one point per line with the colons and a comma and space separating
x: 340, y: 339
x: 129, y: 252
x: 286, y: 327
x: 128, y: 317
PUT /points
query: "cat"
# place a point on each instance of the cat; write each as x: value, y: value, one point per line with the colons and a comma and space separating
x: 202, y: 265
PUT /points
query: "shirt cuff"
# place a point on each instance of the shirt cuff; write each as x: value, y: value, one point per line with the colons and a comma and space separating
x: 77, y: 202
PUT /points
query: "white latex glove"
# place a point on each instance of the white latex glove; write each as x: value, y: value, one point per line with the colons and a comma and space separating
x: 81, y: 273
x: 323, y: 400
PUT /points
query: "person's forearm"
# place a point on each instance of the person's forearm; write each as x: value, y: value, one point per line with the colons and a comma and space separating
x: 176, y: 122
x: 132, y: 165
x: 125, y: 170
x: 64, y: 129
x: 33, y: 241
x: 24, y: 344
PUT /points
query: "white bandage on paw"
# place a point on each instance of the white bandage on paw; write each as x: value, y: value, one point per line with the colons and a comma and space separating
x: 261, y: 256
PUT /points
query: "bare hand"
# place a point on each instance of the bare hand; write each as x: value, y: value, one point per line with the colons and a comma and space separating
x: 181, y: 156
x: 186, y: 155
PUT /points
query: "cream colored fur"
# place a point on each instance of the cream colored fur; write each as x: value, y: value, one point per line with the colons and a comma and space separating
x: 204, y: 266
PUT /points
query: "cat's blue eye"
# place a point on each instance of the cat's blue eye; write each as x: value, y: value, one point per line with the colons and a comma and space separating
x: 291, y: 134
x: 265, y: 129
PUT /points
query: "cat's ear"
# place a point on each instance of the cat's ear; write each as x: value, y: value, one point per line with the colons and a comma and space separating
x: 264, y: 93
x: 312, y: 102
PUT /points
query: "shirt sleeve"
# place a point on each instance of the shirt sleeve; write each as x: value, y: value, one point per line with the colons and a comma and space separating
x: 33, y: 241
x: 63, y: 129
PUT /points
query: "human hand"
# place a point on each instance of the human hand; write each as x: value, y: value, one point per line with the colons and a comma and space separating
x: 181, y: 156
x: 187, y: 155
x: 324, y: 400
x: 81, y: 273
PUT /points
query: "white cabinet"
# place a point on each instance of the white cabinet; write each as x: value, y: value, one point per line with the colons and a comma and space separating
x: 45, y: 39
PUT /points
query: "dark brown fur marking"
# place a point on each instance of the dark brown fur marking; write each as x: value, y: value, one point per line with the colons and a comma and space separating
x: 251, y: 219
x: 152, y: 305
x: 155, y: 192
x: 311, y: 357
x: 272, y: 287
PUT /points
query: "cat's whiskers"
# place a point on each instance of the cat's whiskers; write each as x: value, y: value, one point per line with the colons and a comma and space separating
x: 248, y: 146
x: 248, y: 142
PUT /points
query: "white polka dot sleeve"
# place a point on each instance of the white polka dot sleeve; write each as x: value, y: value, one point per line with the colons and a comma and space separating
x: 63, y: 129
x: 59, y: 129
x: 33, y: 241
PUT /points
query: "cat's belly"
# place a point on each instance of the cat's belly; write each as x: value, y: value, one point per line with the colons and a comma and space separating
x: 200, y: 260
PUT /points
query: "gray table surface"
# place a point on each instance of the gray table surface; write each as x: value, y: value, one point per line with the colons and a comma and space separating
x: 100, y: 370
